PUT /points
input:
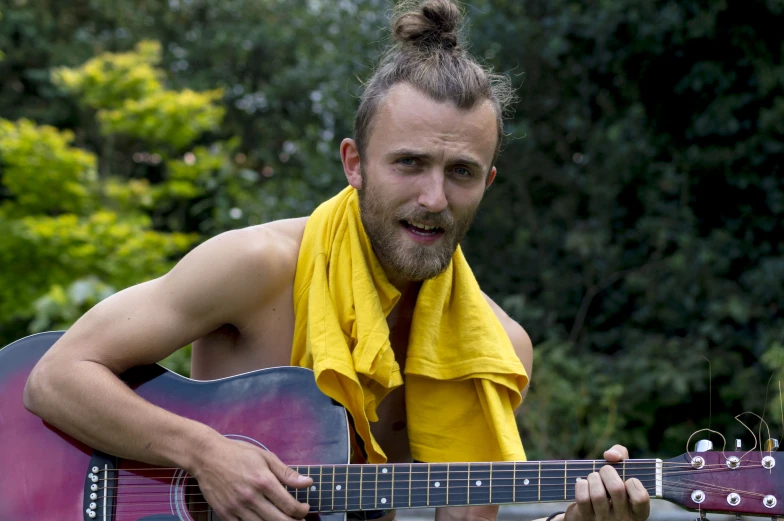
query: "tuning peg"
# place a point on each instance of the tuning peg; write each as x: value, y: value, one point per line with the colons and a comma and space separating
x: 737, y: 443
x: 703, y: 446
x: 771, y: 445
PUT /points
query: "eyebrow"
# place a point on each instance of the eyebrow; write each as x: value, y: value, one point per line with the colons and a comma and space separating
x: 418, y: 154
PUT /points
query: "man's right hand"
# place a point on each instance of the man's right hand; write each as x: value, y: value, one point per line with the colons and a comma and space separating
x: 242, y: 482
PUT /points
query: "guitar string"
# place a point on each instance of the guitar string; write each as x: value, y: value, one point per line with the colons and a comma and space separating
x: 496, y: 473
x: 199, y: 503
x: 534, y: 464
x: 504, y: 467
x: 355, y: 494
x: 558, y: 497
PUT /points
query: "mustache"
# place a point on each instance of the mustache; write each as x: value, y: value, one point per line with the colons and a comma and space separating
x: 443, y: 220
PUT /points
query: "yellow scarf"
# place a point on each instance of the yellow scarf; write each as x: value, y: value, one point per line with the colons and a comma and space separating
x: 463, y: 378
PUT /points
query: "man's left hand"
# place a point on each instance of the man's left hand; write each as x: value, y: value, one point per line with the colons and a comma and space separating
x: 626, y: 502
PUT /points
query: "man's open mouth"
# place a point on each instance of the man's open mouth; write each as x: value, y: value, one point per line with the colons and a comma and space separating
x: 422, y: 229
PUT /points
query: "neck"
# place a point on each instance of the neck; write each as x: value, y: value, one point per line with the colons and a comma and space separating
x: 417, y: 485
x: 402, y: 284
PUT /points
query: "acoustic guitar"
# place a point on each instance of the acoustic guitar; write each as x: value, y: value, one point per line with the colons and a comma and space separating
x: 45, y: 475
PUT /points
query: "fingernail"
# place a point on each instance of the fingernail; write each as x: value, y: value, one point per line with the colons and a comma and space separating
x: 615, y: 452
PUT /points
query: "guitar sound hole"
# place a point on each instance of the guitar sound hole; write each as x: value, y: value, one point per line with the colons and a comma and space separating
x: 198, y: 508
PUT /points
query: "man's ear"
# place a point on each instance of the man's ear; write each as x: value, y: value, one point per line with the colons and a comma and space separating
x: 490, y: 178
x: 349, y: 155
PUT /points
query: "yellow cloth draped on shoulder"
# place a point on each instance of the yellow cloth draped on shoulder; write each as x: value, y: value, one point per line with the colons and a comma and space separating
x: 463, y: 377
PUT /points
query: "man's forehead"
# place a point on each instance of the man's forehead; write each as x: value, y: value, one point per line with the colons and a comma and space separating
x: 408, y: 118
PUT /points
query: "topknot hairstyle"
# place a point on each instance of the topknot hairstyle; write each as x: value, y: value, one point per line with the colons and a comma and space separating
x: 428, y: 54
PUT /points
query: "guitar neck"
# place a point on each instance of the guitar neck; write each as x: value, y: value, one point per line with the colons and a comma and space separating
x: 338, y: 488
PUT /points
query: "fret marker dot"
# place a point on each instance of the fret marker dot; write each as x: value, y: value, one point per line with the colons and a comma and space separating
x: 525, y: 482
x: 383, y: 500
x: 337, y: 488
x: 384, y: 471
x: 437, y: 484
x: 313, y: 487
x: 478, y: 483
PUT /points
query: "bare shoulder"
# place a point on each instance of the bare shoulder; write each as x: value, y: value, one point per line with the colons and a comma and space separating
x: 517, y: 335
x: 519, y: 338
x: 274, y: 245
x: 238, y: 270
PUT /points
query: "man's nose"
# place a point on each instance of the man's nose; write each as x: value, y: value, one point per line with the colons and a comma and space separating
x: 432, y: 194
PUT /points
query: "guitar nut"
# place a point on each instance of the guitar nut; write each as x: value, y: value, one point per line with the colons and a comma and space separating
x: 733, y: 462
x: 733, y: 499
x: 768, y: 462
x: 698, y: 496
x: 697, y: 462
x: 769, y: 501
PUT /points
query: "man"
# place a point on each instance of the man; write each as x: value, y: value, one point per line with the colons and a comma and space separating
x: 427, y: 134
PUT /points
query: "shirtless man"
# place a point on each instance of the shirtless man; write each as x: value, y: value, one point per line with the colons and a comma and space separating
x: 232, y: 297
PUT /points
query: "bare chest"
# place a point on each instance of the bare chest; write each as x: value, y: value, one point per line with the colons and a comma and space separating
x: 266, y: 342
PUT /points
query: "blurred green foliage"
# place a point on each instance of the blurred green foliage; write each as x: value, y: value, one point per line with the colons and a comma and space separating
x: 633, y: 230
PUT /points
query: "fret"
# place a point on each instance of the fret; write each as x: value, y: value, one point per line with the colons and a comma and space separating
x: 553, y: 479
x: 645, y: 471
x: 428, y: 484
x: 438, y: 484
x: 401, y: 486
x: 339, y: 488
x: 368, y: 487
x: 539, y: 483
x: 479, y: 484
x: 291, y: 490
x: 502, y: 483
x: 384, y: 486
x: 307, y: 490
x: 410, y: 479
x: 419, y: 488
x: 320, y: 494
x: 458, y: 484
x: 575, y: 470
x: 526, y: 482
x: 353, y: 487
x: 331, y: 484
x: 392, y: 492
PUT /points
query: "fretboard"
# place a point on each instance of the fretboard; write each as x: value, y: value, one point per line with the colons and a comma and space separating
x: 338, y: 488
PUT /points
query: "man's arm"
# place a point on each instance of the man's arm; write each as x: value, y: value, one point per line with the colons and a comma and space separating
x: 75, y: 388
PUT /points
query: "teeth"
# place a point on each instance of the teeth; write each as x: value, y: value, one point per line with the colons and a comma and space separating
x: 422, y: 226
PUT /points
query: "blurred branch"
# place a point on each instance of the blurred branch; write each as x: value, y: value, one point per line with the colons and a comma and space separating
x: 595, y: 289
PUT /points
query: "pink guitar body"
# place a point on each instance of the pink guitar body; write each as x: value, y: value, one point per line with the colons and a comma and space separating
x: 44, y: 473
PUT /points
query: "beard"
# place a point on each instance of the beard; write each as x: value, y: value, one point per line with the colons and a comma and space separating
x: 409, y: 259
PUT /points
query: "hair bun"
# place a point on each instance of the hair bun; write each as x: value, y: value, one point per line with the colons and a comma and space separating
x: 433, y: 23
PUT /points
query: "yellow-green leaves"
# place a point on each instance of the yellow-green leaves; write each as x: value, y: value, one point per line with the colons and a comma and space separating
x: 165, y: 117
x: 127, y: 92
x: 110, y: 79
x: 42, y: 171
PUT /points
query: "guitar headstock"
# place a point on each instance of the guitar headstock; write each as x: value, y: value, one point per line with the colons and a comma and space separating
x: 749, y: 483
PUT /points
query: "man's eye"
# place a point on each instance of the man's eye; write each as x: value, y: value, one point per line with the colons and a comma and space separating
x: 407, y: 161
x: 462, y: 171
